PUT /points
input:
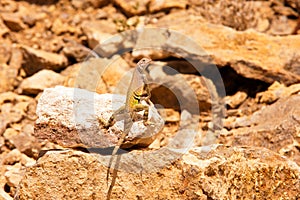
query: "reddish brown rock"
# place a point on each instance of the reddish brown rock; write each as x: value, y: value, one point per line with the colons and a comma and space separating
x: 235, y: 100
x: 98, y: 31
x: 3, y: 28
x: 276, y: 91
x: 77, y: 51
x: 14, y: 174
x: 13, y: 109
x: 133, y: 7
x: 15, y: 156
x: 83, y: 4
x: 275, y: 127
x: 223, y: 12
x: 16, y: 58
x: 272, y: 17
x: 87, y: 75
x: 59, y: 27
x: 281, y: 25
x: 8, y: 6
x: 251, y: 54
x: 116, y: 74
x: 156, y: 6
x: 34, y: 85
x: 35, y: 60
x: 10, y: 113
x: 191, y: 92
x: 5, y: 51
x: 13, y: 21
x: 10, y: 97
x: 8, y: 77
x: 272, y: 94
x: 23, y: 140
x: 294, y: 4
x: 217, y: 173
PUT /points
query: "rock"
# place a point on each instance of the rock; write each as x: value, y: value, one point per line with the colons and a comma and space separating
x: 10, y: 97
x: 281, y: 8
x: 272, y: 94
x: 276, y: 91
x: 205, y: 91
x: 87, y: 75
x: 10, y: 113
x: 237, y: 99
x: 119, y: 44
x: 10, y: 133
x: 3, y: 182
x: 292, y: 89
x: 133, y: 7
x: 76, y: 51
x: 5, y: 52
x: 58, y: 106
x: 156, y: 6
x: 59, y: 27
x: 224, y: 12
x: 16, y: 111
x: 13, y: 109
x: 79, y: 4
x: 8, y: 73
x: 3, y: 28
x: 15, y: 156
x: 116, y: 74
x: 3, y: 124
x: 170, y: 115
x: 2, y: 143
x: 275, y: 127
x: 186, y: 91
x: 4, y: 195
x: 35, y: 60
x: 182, y: 66
x: 293, y: 3
x: 282, y: 26
x: 34, y: 85
x: 29, y: 19
x: 98, y: 31
x: 8, y: 6
x: 8, y: 77
x: 14, y: 174
x: 16, y: 58
x: 245, y: 52
x: 202, y: 173
x: 23, y: 141
x: 262, y: 25
x: 13, y: 21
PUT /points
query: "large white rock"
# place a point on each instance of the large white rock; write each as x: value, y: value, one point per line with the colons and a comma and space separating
x: 70, y: 117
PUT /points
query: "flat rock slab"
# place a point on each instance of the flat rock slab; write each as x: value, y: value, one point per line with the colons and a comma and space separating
x: 34, y: 85
x: 35, y: 60
x: 251, y: 54
x: 70, y: 117
x: 275, y: 127
x: 202, y: 173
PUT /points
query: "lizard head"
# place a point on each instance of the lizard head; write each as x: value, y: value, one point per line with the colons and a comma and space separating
x: 144, y: 63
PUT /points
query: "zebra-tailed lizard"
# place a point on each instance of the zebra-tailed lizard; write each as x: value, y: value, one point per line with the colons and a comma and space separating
x: 137, y: 92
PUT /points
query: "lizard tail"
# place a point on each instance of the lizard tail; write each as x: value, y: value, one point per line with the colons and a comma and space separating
x: 127, y: 127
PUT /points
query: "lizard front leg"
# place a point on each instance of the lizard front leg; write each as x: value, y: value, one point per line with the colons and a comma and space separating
x: 113, y: 118
x: 141, y: 107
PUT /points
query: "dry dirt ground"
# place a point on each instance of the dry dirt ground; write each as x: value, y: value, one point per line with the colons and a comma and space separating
x: 246, y: 86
